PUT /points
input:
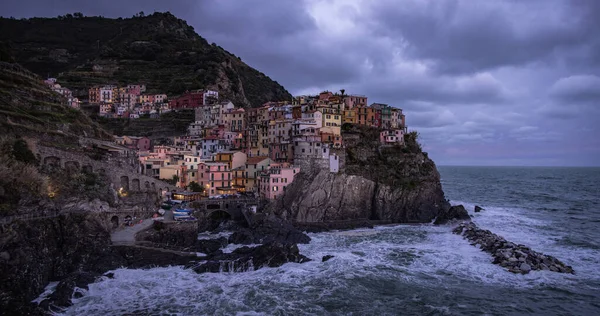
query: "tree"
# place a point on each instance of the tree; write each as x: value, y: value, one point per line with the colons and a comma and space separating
x: 175, y: 179
x: 195, y: 187
x: 78, y: 15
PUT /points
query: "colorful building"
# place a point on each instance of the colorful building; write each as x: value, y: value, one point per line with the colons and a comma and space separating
x: 216, y: 178
x: 274, y: 181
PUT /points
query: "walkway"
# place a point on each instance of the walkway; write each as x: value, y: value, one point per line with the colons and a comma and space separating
x: 126, y: 236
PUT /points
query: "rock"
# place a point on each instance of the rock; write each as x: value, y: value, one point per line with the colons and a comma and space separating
x: 110, y: 275
x: 209, y: 246
x: 4, y: 255
x: 516, y: 258
x: 478, y: 209
x: 65, y: 288
x: 252, y: 258
x: 454, y: 212
x: 366, y: 190
x: 326, y: 258
x: 269, y: 229
x: 525, y: 267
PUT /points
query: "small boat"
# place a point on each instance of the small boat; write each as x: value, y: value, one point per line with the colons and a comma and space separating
x: 181, y: 212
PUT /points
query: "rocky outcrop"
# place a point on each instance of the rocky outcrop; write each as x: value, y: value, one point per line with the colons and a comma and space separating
x: 327, y: 196
x: 43, y: 250
x: 478, y: 209
x: 398, y: 184
x: 514, y: 257
x: 246, y: 258
x: 268, y: 229
x: 457, y: 212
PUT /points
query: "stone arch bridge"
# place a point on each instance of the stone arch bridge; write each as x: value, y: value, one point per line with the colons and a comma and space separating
x: 236, y: 209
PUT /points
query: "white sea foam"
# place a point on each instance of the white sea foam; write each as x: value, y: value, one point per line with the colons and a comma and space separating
x: 231, y: 247
x: 366, y: 260
x: 48, y: 290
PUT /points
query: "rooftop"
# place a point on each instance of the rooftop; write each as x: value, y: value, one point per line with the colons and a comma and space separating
x: 255, y: 160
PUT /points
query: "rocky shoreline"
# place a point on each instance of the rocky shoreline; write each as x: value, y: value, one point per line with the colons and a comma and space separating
x: 516, y: 258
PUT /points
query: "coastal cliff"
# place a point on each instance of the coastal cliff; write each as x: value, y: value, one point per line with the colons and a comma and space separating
x: 398, y: 184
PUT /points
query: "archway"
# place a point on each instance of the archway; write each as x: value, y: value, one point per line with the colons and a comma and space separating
x: 52, y: 161
x: 219, y: 215
x: 125, y: 183
x: 114, y: 221
x: 135, y: 185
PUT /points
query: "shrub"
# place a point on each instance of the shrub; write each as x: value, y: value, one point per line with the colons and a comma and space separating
x: 21, y: 152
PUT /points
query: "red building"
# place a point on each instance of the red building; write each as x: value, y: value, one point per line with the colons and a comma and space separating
x: 189, y: 100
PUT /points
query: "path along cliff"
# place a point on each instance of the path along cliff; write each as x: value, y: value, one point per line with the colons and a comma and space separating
x: 396, y: 184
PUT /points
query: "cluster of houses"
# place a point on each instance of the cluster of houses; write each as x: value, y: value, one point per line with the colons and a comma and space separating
x: 65, y: 92
x: 230, y: 150
x: 132, y: 101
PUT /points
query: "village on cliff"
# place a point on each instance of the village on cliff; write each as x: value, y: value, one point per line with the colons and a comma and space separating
x: 231, y: 150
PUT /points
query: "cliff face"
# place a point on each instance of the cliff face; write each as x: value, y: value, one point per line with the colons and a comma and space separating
x: 35, y: 252
x: 159, y: 50
x: 394, y: 184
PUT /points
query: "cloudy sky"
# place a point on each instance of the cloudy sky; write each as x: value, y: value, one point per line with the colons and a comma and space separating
x: 484, y: 82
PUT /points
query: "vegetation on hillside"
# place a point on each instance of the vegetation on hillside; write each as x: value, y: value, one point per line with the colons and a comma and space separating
x: 158, y: 50
x: 397, y: 166
x: 29, y: 108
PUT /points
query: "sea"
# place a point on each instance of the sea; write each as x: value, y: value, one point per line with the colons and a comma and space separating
x: 404, y: 269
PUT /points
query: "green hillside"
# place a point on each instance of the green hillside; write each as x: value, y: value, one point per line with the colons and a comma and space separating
x: 159, y: 50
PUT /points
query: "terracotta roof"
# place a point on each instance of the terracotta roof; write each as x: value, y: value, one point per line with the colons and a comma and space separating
x: 255, y: 160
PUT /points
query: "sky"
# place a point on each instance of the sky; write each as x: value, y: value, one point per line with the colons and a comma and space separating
x: 483, y: 82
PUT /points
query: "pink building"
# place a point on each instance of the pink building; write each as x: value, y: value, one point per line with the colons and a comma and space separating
x: 143, y: 143
x: 353, y: 100
x: 215, y: 177
x: 392, y: 137
x: 274, y: 181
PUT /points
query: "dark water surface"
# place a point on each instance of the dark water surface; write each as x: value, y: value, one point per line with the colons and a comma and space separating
x: 421, y: 269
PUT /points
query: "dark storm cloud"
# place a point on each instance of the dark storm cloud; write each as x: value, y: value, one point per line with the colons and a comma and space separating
x: 484, y: 82
x: 461, y: 36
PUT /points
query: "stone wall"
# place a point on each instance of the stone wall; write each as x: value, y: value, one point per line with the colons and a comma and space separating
x: 122, y: 175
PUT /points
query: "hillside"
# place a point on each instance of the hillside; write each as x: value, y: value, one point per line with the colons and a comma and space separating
x: 159, y: 50
x: 29, y: 108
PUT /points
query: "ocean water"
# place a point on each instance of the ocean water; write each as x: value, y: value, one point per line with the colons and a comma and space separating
x: 405, y: 269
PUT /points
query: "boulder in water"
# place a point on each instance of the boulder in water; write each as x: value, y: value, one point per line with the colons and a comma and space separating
x: 65, y: 290
x: 478, y: 209
x: 210, y: 245
x: 326, y: 258
x: 268, y: 229
x: 252, y: 258
x: 454, y: 212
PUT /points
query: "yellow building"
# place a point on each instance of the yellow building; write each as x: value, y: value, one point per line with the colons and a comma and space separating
x: 349, y: 116
x: 233, y: 159
x: 332, y: 121
x: 254, y: 166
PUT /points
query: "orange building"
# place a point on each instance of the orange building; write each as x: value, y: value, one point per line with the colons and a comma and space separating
x: 365, y: 116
